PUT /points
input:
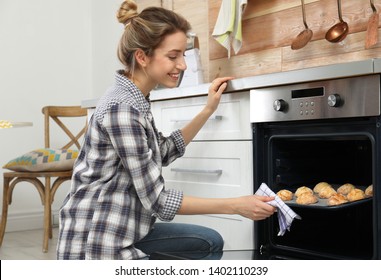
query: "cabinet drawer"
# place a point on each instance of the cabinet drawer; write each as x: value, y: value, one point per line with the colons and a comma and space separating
x: 217, y: 169
x: 229, y: 122
x: 213, y: 169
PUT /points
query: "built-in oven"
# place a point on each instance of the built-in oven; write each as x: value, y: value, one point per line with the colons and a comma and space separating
x: 320, y: 131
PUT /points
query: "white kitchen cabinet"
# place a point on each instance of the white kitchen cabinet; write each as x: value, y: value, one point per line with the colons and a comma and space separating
x: 216, y: 169
x: 217, y: 164
x: 231, y: 121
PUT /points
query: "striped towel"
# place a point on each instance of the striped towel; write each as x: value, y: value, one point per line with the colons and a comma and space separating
x: 228, y: 28
x: 285, y: 214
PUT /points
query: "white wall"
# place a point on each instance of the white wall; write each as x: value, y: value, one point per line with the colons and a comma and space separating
x: 105, y: 38
x: 51, y: 52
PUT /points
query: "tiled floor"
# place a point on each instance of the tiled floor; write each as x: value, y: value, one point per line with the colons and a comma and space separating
x: 27, y: 245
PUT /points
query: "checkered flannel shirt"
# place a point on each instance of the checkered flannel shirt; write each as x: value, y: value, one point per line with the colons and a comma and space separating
x: 117, y: 189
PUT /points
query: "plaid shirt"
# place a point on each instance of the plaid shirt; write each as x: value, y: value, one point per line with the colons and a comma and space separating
x: 117, y: 189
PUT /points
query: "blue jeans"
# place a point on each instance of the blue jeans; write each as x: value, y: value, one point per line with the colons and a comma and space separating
x: 183, y: 240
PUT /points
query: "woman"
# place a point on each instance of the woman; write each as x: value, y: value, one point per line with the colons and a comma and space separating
x: 117, y: 188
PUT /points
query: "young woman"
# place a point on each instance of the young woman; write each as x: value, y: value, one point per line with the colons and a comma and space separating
x: 117, y: 188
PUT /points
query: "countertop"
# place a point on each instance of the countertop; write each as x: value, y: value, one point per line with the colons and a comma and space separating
x: 349, y: 69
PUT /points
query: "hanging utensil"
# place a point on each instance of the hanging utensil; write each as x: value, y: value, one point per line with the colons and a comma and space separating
x: 303, y: 37
x: 340, y: 30
x: 372, y: 29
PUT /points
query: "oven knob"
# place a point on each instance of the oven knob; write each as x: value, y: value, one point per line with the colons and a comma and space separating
x: 280, y: 105
x: 334, y: 100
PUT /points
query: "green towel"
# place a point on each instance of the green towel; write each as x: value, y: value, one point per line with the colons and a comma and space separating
x: 228, y: 28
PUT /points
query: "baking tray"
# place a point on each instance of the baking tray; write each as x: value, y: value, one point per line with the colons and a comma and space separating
x: 323, y: 202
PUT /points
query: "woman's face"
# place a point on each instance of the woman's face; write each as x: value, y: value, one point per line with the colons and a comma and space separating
x: 168, y: 61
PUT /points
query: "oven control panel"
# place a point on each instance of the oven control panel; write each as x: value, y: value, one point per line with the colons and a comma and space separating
x: 339, y: 98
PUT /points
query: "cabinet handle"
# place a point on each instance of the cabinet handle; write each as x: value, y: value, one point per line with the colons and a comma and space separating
x: 184, y: 170
x: 215, y: 118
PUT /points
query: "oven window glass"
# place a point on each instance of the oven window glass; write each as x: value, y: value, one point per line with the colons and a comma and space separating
x: 342, y: 231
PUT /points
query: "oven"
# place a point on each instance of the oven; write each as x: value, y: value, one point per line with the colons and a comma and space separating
x: 320, y: 131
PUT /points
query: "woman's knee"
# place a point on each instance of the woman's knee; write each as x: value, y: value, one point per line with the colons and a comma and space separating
x: 215, y: 239
x: 203, y: 234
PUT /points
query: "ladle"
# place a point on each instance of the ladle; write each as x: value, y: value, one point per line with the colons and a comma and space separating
x: 339, y: 31
x: 372, y: 29
x: 303, y: 37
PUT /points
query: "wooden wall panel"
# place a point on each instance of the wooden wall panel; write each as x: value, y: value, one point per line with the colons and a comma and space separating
x: 264, y: 7
x: 273, y: 24
x: 142, y: 4
x: 249, y: 64
x: 269, y: 26
x: 320, y: 53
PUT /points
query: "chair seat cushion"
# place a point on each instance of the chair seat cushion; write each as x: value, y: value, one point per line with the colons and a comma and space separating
x: 45, y: 159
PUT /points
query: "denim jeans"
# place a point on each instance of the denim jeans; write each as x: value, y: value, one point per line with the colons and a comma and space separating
x: 183, y: 240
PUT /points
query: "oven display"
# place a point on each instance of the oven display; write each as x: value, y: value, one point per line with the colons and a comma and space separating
x: 307, y: 92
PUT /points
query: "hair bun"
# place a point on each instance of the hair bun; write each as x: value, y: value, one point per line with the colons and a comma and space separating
x: 127, y: 10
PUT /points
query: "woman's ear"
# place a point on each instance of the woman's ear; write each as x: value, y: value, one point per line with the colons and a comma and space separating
x: 141, y: 58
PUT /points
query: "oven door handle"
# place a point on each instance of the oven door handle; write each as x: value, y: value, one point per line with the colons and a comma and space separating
x: 214, y: 118
x: 202, y: 171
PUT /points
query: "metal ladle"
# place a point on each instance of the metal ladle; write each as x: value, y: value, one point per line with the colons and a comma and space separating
x: 339, y: 31
x: 303, y: 37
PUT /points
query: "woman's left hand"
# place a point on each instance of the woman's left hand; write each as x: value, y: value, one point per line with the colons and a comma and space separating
x: 216, y: 89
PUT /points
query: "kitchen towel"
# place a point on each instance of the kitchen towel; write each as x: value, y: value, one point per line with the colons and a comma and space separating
x: 285, y: 214
x: 228, y: 28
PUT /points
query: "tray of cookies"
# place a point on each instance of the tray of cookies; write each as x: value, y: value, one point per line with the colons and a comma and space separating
x: 328, y: 195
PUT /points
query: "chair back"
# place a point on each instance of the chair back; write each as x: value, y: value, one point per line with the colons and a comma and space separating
x: 60, y: 116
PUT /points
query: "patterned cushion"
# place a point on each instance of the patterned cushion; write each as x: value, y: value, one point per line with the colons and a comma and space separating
x: 44, y: 160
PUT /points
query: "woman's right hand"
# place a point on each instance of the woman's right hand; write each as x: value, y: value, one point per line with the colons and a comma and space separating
x: 254, y: 207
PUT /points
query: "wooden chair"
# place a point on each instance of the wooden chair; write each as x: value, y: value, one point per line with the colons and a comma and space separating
x: 42, y: 180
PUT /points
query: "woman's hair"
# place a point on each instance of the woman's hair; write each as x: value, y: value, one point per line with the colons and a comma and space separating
x: 145, y: 30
